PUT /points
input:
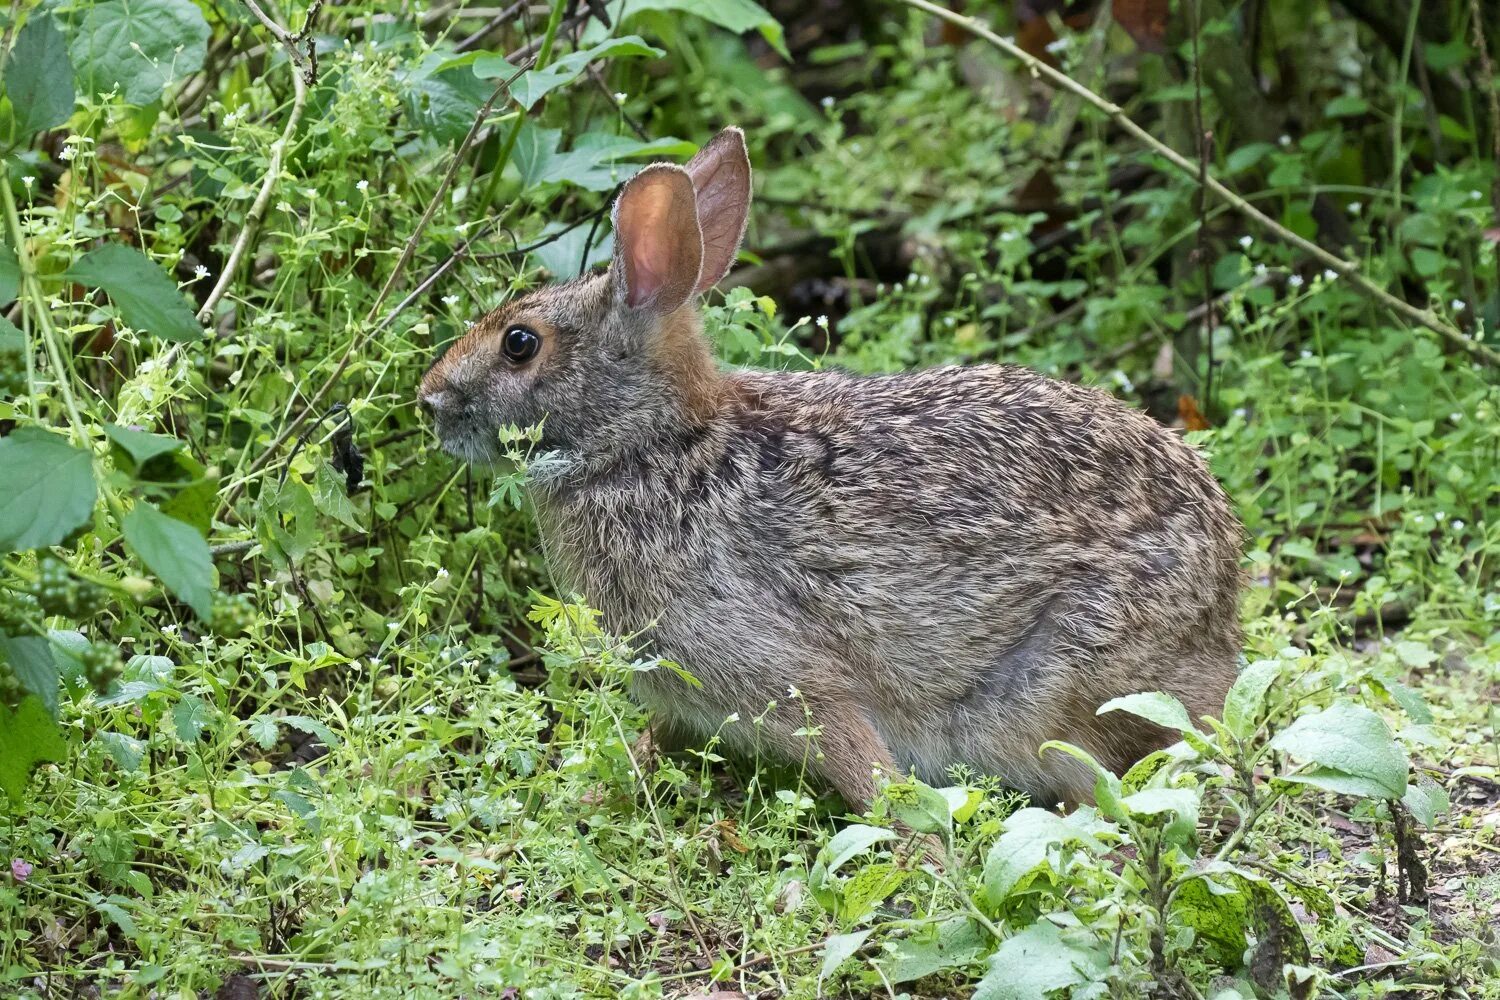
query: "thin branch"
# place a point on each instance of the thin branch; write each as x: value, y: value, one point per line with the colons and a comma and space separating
x: 1346, y: 269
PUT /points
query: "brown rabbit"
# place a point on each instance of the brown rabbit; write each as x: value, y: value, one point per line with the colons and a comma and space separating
x: 943, y: 566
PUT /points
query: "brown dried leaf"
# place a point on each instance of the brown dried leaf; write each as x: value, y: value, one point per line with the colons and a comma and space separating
x: 1192, y: 417
x: 1145, y: 21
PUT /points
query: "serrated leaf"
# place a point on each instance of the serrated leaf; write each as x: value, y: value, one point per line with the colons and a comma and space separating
x: 868, y: 887
x: 1035, y: 963
x: 147, y: 299
x: 1028, y: 835
x: 47, y: 490
x: 28, y: 736
x: 137, y: 47
x: 330, y: 498
x: 838, y: 950
x: 1246, y: 701
x: 1352, y: 748
x: 31, y: 661
x: 533, y: 85
x: 141, y: 446
x: 1153, y: 706
x: 176, y: 553
x: 190, y: 717
x: 126, y: 751
x: 264, y: 731
x: 39, y: 78
x: 313, y: 726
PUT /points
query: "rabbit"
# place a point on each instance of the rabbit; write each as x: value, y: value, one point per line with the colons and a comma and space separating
x: 931, y: 568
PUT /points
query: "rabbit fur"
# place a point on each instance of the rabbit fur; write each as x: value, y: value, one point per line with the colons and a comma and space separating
x: 929, y: 568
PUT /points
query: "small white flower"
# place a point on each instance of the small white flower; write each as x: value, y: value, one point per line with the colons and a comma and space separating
x: 1241, y: 412
x: 200, y: 272
x: 823, y: 322
x: 27, y: 180
x: 1057, y: 45
x: 449, y: 300
x: 1458, y: 305
x: 1007, y: 236
x: 393, y: 626
x: 1285, y: 140
x: 428, y: 709
x: 362, y: 186
x: 792, y: 692
x: 66, y: 153
x: 1329, y: 274
x: 1456, y: 418
x: 1306, y: 354
x: 827, y: 103
x: 1418, y: 519
x: 621, y: 96
x: 356, y: 57
x: 1295, y: 281
x: 1260, y: 270
x: 1441, y: 515
x: 442, y: 573
x: 1456, y: 524
x: 1344, y: 574
x: 1355, y: 207
x: 1245, y: 241
x: 732, y: 717
x: 1475, y: 195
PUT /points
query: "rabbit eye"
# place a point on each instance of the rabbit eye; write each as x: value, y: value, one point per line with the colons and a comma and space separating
x: 520, y: 344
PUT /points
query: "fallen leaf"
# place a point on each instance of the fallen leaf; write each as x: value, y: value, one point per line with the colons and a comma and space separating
x: 1145, y: 21
x: 1192, y: 417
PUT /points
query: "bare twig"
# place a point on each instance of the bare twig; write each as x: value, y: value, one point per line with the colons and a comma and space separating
x: 1345, y: 268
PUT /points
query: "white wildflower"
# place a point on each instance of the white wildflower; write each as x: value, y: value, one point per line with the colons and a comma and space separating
x: 1285, y: 140
x: 621, y: 96
x: 792, y: 692
x: 1295, y: 281
x: 1260, y: 270
x: 362, y: 186
x: 449, y: 300
x: 1441, y: 515
x: 393, y: 626
x: 1355, y: 207
x: 823, y: 322
x: 1458, y: 305
x: 1246, y: 241
x: 200, y: 272
x: 1329, y: 274
x: 827, y: 103
x: 1456, y: 524
x: 1456, y: 418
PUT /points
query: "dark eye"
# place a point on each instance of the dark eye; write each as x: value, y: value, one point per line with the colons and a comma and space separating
x: 520, y: 344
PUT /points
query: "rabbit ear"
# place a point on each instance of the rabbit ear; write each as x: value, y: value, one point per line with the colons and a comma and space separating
x: 721, y: 185
x: 658, y: 247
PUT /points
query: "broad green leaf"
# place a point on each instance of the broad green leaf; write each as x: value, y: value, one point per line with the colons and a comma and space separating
x: 533, y: 85
x: 564, y: 257
x: 1153, y: 801
x: 1246, y: 700
x: 1036, y: 962
x: 47, y: 490
x: 738, y: 16
x: 330, y: 498
x: 141, y: 446
x: 592, y: 164
x: 1153, y: 706
x: 920, y: 806
x: 1426, y: 800
x: 956, y: 943
x: 146, y: 297
x: 126, y: 751
x: 264, y: 731
x: 31, y: 661
x: 838, y: 950
x: 867, y: 888
x: 137, y: 47
x: 10, y: 286
x: 1226, y: 906
x: 1352, y: 749
x: 443, y: 101
x: 176, y: 553
x: 39, y: 78
x: 313, y: 726
x: 28, y: 736
x: 1022, y: 848
x: 850, y: 841
x: 190, y: 717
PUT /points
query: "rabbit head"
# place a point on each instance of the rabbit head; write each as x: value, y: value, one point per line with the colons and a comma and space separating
x: 608, y: 359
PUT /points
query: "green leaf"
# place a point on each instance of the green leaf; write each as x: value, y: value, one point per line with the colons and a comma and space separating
x: 838, y: 950
x: 264, y: 731
x: 141, y: 446
x: 313, y: 726
x: 176, y: 553
x: 868, y: 887
x: 1153, y: 706
x: 920, y: 806
x: 39, y: 78
x: 190, y: 717
x: 1154, y: 801
x: 330, y: 498
x: 1035, y: 963
x: 593, y: 162
x: 137, y: 47
x: 442, y: 97
x: 31, y: 661
x: 1225, y: 906
x: 47, y: 490
x: 146, y: 297
x: 1426, y: 800
x: 533, y: 85
x: 1022, y: 849
x: 1352, y: 749
x: 956, y: 943
x: 126, y: 751
x: 10, y: 286
x: 28, y: 736
x: 1247, y: 698
x: 738, y: 16
x: 850, y: 841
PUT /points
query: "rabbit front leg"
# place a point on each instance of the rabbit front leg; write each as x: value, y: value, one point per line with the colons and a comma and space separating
x: 848, y: 753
